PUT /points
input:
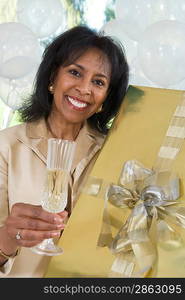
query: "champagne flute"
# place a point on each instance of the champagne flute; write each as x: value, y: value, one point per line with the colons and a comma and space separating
x: 59, y: 161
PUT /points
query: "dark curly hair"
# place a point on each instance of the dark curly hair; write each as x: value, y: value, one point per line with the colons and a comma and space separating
x: 64, y: 50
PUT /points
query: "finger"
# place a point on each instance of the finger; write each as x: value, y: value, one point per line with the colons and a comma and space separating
x: 33, y: 236
x: 30, y: 223
x: 35, y: 211
x: 29, y: 244
x: 63, y: 214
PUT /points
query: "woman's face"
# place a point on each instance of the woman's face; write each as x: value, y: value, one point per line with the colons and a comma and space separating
x: 81, y: 87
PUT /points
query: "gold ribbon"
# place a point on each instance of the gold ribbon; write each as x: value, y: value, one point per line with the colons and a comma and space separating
x: 155, y: 218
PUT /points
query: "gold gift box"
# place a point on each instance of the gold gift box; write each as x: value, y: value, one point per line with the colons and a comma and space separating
x: 137, y: 133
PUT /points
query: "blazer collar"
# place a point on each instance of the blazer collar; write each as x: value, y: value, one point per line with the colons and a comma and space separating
x: 37, y: 135
x: 86, y: 140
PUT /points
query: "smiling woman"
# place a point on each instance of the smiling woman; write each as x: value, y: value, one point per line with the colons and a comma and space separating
x: 79, y: 90
x: 79, y: 87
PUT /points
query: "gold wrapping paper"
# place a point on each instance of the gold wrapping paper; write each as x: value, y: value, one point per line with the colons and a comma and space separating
x: 138, y: 133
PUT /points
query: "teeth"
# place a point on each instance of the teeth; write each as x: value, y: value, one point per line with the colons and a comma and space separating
x: 77, y: 103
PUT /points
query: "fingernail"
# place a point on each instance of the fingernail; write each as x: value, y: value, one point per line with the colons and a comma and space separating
x: 60, y: 225
x: 55, y: 233
x: 57, y: 219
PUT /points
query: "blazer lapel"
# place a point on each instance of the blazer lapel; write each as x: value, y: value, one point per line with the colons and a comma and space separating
x: 89, y: 142
x: 35, y: 138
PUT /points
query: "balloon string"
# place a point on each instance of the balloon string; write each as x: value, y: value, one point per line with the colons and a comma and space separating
x: 10, y: 91
x: 7, y: 117
x: 8, y: 113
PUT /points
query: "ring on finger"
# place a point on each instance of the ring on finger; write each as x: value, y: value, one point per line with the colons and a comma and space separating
x: 18, y: 236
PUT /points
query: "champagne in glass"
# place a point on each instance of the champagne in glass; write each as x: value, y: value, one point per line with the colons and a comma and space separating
x: 59, y: 161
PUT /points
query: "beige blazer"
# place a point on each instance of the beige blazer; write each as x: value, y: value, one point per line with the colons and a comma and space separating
x: 23, y: 151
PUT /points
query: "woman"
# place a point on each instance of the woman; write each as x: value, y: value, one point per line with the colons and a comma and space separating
x: 79, y: 87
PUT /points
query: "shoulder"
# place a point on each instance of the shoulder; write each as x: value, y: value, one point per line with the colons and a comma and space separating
x: 11, y: 133
x: 9, y: 137
x: 97, y: 136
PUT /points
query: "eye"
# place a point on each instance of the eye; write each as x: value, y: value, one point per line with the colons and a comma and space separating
x: 99, y: 82
x: 74, y: 72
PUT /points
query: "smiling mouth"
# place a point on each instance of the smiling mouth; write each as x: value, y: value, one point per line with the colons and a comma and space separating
x: 77, y: 104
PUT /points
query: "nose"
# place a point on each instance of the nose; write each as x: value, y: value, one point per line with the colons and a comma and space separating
x: 84, y: 86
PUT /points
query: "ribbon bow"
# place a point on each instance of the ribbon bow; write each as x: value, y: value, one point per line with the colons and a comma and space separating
x: 155, y: 218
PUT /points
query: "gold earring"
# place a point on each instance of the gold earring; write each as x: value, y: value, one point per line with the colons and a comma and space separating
x: 51, y: 88
x: 99, y: 109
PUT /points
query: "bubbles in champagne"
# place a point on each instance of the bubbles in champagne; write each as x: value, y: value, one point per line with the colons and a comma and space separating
x: 56, y: 191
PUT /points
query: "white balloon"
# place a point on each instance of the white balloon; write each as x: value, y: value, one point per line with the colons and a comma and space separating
x: 179, y: 86
x: 135, y: 16
x: 114, y: 28
x: 180, y: 11
x: 161, y: 52
x: 27, y: 80
x: 11, y: 95
x: 13, y: 92
x: 43, y: 17
x: 168, y: 10
x: 20, y: 51
x: 16, y: 67
x: 136, y: 76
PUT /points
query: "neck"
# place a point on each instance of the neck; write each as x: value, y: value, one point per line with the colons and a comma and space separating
x: 62, y: 130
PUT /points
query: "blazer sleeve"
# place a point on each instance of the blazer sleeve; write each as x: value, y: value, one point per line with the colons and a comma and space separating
x: 4, y: 203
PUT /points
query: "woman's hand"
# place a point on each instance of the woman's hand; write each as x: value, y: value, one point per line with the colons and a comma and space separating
x: 33, y: 224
